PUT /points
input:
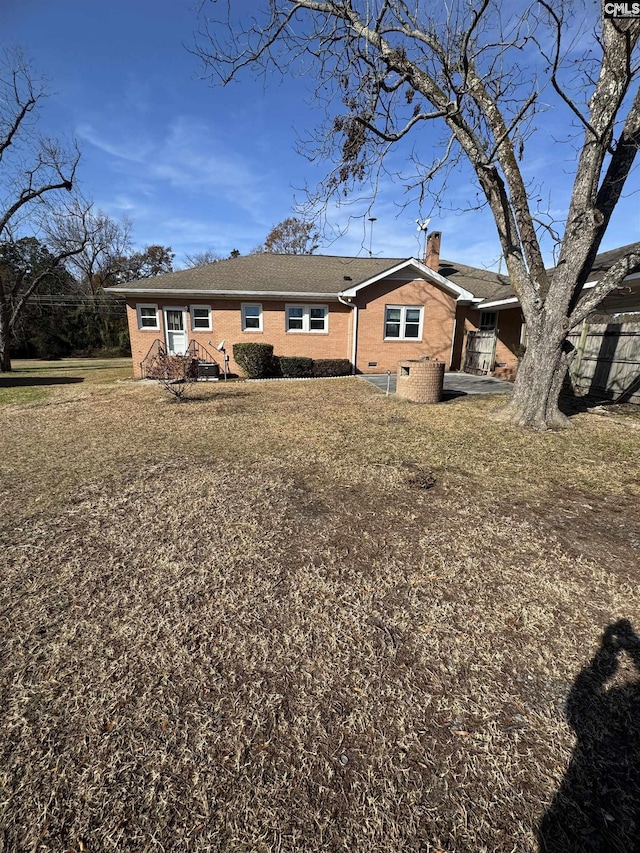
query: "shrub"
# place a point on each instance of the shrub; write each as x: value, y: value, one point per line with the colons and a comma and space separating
x: 254, y: 359
x: 331, y: 367
x: 276, y: 370
x: 296, y: 366
x: 176, y: 373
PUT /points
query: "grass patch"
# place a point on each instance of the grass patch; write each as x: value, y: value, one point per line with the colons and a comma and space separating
x: 21, y: 394
x: 32, y: 380
x: 303, y: 616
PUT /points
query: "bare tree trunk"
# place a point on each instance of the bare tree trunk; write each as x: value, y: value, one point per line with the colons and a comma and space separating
x: 5, y: 338
x: 541, y: 374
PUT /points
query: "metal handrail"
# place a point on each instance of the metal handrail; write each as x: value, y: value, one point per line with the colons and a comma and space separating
x: 156, y: 350
x: 196, y: 350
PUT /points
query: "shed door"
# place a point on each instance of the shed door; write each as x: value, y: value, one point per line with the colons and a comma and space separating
x: 175, y: 330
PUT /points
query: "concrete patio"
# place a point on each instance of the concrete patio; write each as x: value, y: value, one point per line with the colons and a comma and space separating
x: 455, y: 384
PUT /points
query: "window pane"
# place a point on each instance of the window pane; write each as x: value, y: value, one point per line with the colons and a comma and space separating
x: 174, y: 321
x: 294, y: 317
x: 201, y: 318
x: 413, y: 315
x: 393, y: 315
x: 411, y: 330
x: 317, y: 319
x: 148, y: 317
x: 251, y: 317
x: 392, y: 330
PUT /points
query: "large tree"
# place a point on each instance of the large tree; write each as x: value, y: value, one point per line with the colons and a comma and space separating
x: 152, y: 260
x: 292, y: 236
x: 201, y: 259
x: 36, y: 179
x: 487, y: 72
x: 105, y: 254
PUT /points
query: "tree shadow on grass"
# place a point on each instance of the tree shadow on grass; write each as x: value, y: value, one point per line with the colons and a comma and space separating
x: 12, y: 381
x: 597, y: 807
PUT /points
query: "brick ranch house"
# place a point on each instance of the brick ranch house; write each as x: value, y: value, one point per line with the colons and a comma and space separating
x: 371, y: 311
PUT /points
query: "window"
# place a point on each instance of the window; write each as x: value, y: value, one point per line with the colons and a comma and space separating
x: 201, y: 318
x: 251, y: 317
x: 147, y: 316
x: 307, y: 318
x: 488, y: 320
x: 403, y: 322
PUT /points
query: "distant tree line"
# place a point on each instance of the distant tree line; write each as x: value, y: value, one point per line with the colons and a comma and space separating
x: 69, y: 311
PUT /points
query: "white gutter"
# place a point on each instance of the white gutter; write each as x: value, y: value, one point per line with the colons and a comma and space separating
x: 212, y: 294
x: 496, y: 303
x: 354, y: 332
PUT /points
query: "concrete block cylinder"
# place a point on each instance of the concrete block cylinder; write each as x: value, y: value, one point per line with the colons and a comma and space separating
x: 420, y: 380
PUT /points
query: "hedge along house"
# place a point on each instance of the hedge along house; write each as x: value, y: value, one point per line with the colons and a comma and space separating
x: 371, y: 311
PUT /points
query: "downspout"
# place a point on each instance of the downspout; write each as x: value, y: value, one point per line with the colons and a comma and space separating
x: 354, y: 341
x: 453, y: 336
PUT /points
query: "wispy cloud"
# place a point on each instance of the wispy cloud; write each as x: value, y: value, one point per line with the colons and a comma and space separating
x: 186, y: 157
x: 121, y: 149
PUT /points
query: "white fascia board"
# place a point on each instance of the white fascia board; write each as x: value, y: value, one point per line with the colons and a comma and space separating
x: 499, y: 303
x: 426, y: 271
x: 212, y: 294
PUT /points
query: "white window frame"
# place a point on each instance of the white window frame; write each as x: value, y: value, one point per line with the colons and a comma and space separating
x: 192, y: 310
x: 154, y: 306
x: 245, y: 305
x: 403, y: 322
x: 306, y: 319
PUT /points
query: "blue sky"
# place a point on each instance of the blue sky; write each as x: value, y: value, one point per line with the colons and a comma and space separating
x: 199, y: 167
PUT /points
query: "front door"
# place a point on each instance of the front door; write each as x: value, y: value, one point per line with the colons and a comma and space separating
x: 175, y: 330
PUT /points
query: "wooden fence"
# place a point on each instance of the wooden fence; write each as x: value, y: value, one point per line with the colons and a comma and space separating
x: 607, y: 362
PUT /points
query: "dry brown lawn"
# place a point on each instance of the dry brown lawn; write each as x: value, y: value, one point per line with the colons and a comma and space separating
x: 302, y: 616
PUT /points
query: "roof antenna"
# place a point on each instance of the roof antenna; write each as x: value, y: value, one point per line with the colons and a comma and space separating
x: 372, y: 219
x: 423, y: 224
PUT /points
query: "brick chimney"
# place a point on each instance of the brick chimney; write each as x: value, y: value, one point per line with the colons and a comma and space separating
x: 432, y: 251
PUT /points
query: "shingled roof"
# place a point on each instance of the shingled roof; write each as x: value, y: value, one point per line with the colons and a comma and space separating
x: 303, y: 274
x: 324, y: 275
x: 270, y: 273
x: 605, y: 260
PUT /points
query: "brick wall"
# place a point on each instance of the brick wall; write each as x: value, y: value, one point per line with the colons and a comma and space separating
x: 227, y: 325
x: 439, y: 309
x: 420, y: 381
x: 439, y: 312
